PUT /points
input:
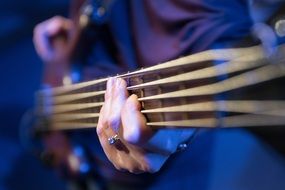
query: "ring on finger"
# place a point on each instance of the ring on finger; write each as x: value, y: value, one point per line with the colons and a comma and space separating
x: 113, y: 139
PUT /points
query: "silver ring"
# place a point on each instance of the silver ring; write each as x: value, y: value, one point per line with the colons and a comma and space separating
x: 113, y: 139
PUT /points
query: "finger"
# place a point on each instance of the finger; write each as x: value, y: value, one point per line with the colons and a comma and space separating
x: 109, y: 86
x: 115, y: 97
x: 56, y: 25
x: 123, y: 156
x: 135, y: 130
x: 104, y: 132
x: 119, y: 96
x: 45, y: 31
x: 105, y: 111
x: 41, y: 42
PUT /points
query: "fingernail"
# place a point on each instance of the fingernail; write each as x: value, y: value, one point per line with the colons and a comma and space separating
x: 118, y: 82
x: 110, y: 82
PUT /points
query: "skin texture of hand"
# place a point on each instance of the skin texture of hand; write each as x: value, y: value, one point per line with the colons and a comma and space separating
x: 52, y: 39
x: 139, y: 149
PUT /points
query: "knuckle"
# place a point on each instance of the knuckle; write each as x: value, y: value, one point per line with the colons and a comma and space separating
x: 99, y: 130
x: 112, y: 121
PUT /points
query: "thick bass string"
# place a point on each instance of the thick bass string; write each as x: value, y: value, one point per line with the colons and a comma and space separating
x: 186, y: 92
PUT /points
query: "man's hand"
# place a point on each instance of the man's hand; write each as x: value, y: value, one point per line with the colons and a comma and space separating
x: 52, y: 39
x: 139, y: 149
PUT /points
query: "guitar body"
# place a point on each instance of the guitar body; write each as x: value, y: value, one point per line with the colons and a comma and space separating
x: 224, y: 88
x: 188, y: 92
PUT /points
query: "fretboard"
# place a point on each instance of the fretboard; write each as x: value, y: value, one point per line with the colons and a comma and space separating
x: 215, y: 88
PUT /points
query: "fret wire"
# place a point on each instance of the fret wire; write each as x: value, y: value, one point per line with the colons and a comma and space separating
x: 259, y: 75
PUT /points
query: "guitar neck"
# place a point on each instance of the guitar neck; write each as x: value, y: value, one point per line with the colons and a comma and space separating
x: 187, y: 92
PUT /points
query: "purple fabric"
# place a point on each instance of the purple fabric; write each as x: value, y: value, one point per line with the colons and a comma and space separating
x: 148, y: 32
x: 165, y: 30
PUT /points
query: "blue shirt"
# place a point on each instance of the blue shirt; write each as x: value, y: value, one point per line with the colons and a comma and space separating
x: 142, y: 33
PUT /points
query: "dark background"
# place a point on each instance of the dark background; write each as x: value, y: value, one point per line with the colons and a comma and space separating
x: 20, y: 76
x: 240, y: 159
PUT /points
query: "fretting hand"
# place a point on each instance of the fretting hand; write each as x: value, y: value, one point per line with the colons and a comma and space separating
x: 126, y: 139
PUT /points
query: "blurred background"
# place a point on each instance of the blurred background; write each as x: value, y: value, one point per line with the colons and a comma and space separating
x: 20, y: 77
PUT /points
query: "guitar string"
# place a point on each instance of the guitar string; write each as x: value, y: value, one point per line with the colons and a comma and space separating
x: 74, y: 107
x: 69, y: 98
x: 259, y: 75
x: 259, y: 78
x: 255, y: 76
x: 246, y: 120
x: 219, y: 54
x: 244, y: 106
x: 214, y: 71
